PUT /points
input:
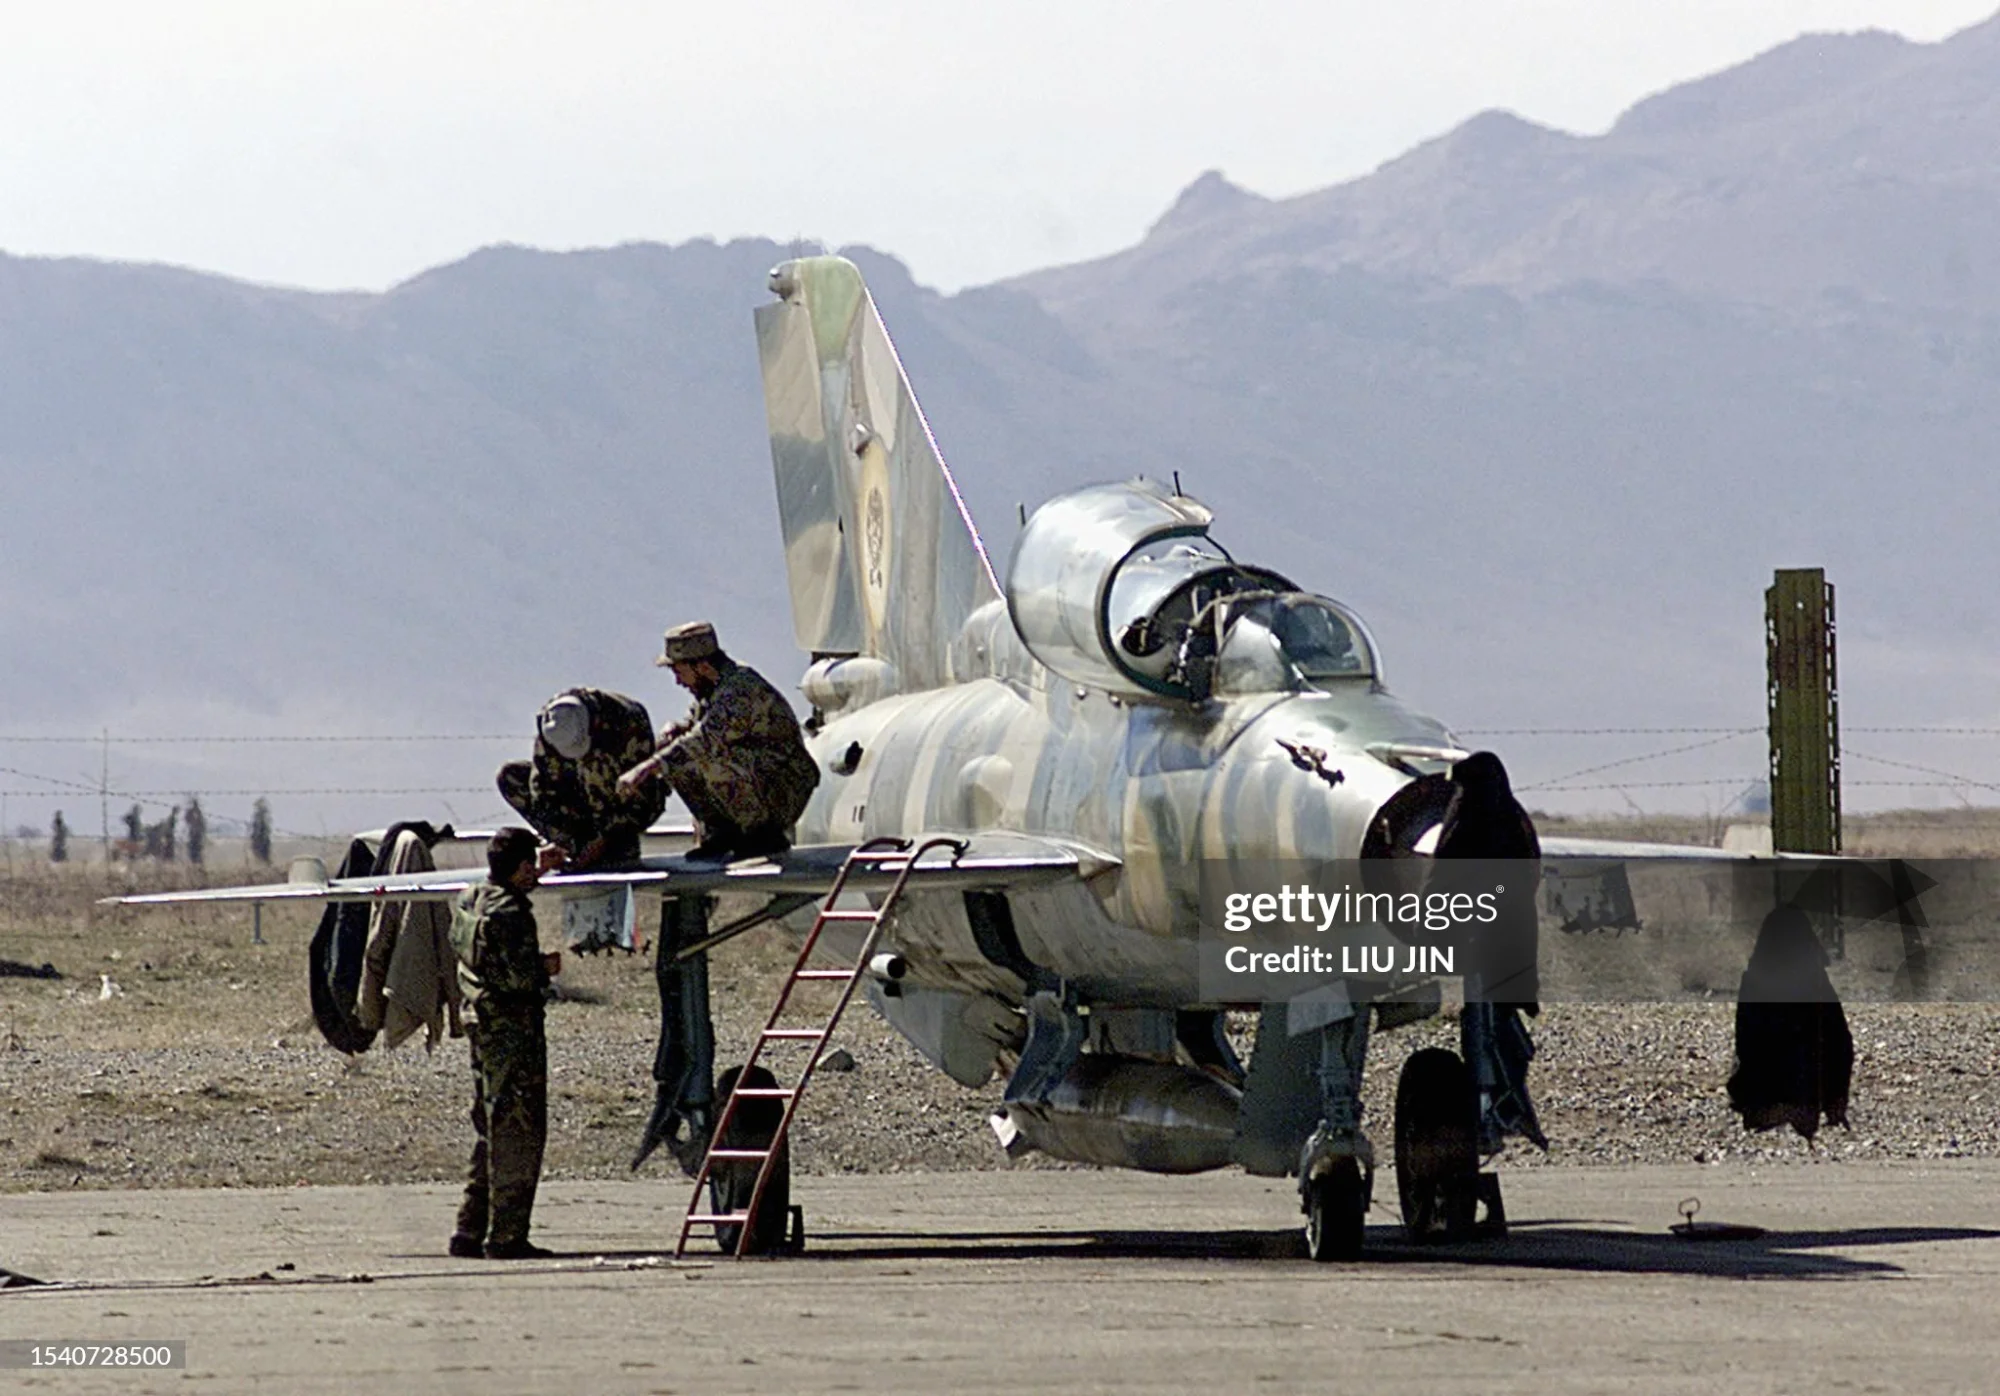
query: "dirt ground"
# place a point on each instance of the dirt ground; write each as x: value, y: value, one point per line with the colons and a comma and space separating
x: 185, y: 1159
x: 1870, y: 1277
x: 176, y: 1052
x: 203, y: 1066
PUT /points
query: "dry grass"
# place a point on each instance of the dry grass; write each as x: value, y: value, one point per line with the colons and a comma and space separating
x: 185, y: 975
x: 205, y: 1069
x: 1962, y: 833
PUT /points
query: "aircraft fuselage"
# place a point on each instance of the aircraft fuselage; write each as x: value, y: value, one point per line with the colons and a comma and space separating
x: 1169, y: 793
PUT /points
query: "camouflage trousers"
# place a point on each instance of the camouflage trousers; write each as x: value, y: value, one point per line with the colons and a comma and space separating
x: 565, y: 824
x: 723, y: 790
x: 510, y: 1121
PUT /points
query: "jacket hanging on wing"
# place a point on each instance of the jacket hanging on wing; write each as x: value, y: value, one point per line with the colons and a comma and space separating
x: 1794, y: 1053
x: 333, y: 964
x: 1485, y: 824
x: 338, y: 954
x: 409, y: 977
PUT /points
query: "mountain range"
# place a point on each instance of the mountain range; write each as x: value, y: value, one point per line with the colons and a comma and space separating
x: 1546, y: 408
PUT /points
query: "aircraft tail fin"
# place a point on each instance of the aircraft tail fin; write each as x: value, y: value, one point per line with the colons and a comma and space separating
x: 882, y: 556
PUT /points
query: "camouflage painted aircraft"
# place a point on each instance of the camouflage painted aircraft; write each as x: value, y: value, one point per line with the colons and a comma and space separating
x: 1130, y: 712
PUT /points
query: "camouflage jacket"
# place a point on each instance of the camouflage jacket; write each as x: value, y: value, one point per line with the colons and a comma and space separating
x: 499, y: 955
x: 744, y: 721
x: 580, y: 800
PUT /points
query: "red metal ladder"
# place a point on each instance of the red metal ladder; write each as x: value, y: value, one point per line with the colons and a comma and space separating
x: 876, y: 853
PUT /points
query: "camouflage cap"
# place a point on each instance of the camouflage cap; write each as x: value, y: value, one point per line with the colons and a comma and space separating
x: 688, y: 643
x: 565, y: 726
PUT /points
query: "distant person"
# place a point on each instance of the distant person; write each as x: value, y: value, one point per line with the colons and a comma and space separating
x: 570, y: 792
x: 260, y: 830
x: 197, y: 832
x: 503, y: 978
x: 58, y: 839
x: 1794, y: 1053
x: 163, y: 838
x: 738, y: 761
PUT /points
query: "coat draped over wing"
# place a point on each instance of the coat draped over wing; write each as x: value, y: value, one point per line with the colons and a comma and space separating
x: 1794, y: 1052
x: 409, y: 975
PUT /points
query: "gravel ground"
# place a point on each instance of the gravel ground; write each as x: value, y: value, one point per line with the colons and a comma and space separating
x: 202, y: 1068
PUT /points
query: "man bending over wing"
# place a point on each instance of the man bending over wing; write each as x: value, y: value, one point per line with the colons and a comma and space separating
x: 570, y: 792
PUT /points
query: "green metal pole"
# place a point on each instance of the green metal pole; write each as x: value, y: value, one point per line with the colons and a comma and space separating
x: 1805, y: 713
x: 1804, y: 707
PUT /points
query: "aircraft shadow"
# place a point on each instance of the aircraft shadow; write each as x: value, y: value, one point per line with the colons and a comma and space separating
x: 1548, y: 1245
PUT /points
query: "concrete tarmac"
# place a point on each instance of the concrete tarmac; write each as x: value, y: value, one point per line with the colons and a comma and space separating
x: 1869, y: 1277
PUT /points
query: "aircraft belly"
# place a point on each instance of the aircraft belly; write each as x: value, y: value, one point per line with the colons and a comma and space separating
x: 1065, y: 929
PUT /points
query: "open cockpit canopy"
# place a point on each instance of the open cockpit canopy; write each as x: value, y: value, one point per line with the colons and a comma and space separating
x: 1120, y: 587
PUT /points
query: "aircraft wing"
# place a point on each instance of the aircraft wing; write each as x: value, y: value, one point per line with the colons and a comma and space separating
x: 993, y: 859
x: 679, y: 832
x: 1634, y: 850
x: 989, y: 860
x: 1630, y: 850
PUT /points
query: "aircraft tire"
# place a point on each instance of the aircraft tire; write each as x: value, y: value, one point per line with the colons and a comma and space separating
x: 1336, y: 1206
x: 730, y: 1184
x: 1437, y: 1146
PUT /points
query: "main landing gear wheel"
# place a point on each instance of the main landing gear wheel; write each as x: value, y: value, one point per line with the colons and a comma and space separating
x: 1336, y: 1203
x: 731, y: 1182
x: 1437, y: 1146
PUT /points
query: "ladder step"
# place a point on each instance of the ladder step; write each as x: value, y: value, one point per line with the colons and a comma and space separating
x: 716, y: 1218
x: 765, y: 1092
x: 824, y: 974
x: 795, y: 1034
x: 739, y: 1153
x: 850, y: 914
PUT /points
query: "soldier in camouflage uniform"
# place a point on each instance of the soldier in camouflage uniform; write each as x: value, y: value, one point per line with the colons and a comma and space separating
x: 570, y: 792
x: 504, y: 977
x: 739, y: 761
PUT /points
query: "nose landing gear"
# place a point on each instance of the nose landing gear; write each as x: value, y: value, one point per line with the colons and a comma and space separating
x: 1336, y: 1202
x: 1336, y: 1181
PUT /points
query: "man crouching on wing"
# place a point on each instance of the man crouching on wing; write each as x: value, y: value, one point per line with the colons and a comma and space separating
x: 739, y: 761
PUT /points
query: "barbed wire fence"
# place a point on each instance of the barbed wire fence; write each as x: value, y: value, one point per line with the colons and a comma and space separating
x: 22, y: 782
x: 1964, y: 786
x: 27, y: 783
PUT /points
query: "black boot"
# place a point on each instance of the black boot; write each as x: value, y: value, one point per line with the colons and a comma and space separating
x: 720, y: 842
x: 763, y: 841
x: 523, y: 1249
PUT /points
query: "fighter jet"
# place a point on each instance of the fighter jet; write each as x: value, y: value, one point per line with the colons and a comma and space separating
x: 1110, y: 731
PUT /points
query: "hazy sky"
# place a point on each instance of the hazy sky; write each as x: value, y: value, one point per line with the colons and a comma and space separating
x: 335, y: 143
